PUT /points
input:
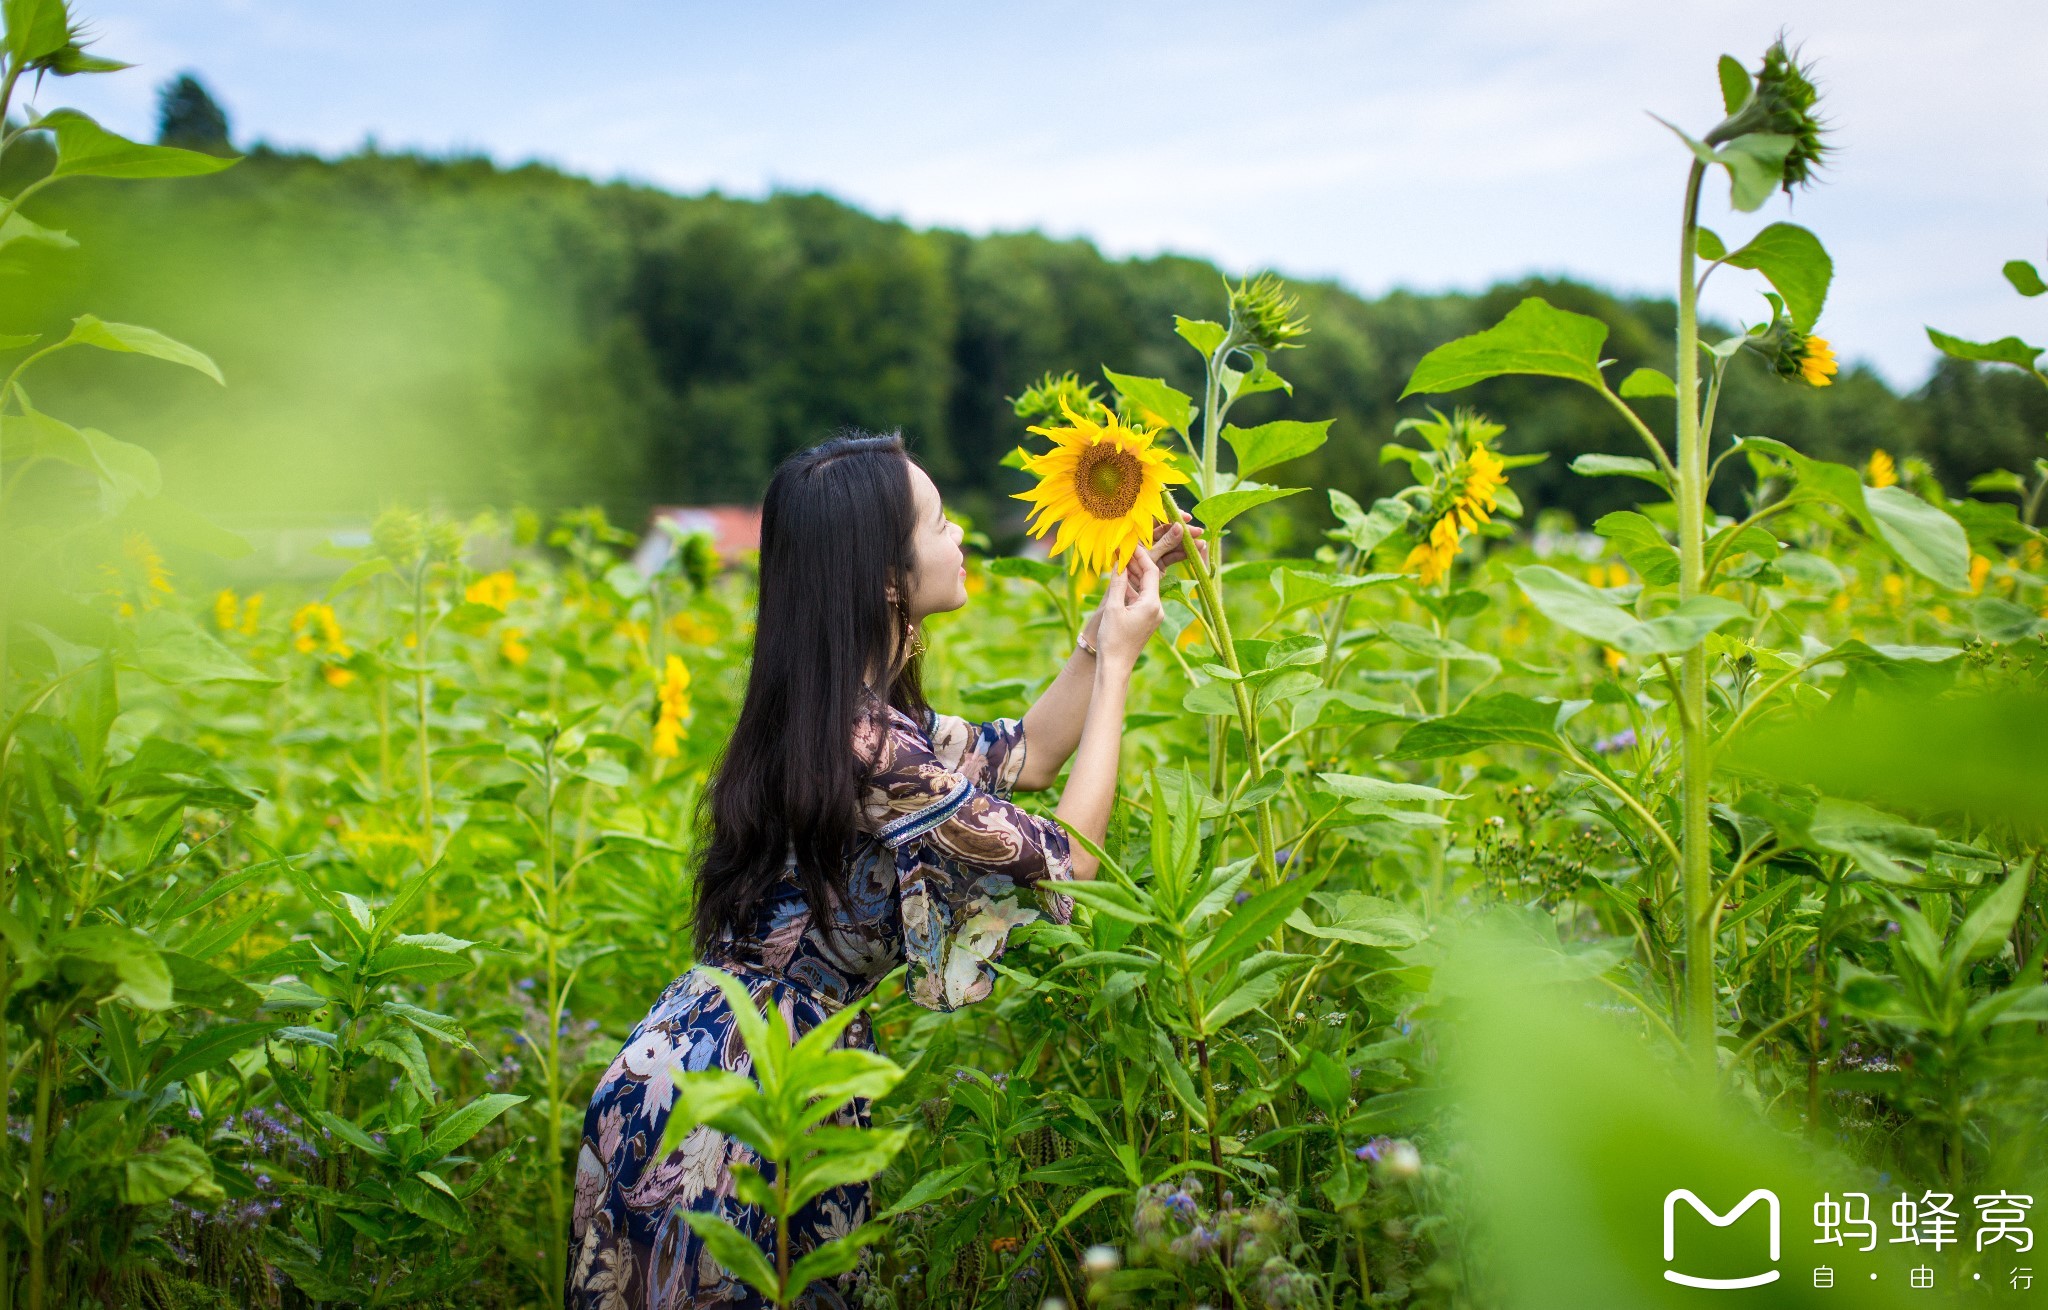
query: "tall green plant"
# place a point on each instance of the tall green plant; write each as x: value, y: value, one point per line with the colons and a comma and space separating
x: 1769, y: 141
x: 780, y: 1113
x: 87, y: 830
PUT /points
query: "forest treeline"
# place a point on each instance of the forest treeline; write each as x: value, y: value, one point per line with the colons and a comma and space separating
x: 399, y: 328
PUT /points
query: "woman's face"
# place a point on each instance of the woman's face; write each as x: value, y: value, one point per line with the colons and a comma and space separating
x: 939, y: 582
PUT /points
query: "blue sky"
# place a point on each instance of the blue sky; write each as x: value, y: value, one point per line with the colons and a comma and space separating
x: 1432, y: 146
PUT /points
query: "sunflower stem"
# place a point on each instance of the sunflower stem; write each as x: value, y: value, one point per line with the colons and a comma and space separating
x: 1218, y: 620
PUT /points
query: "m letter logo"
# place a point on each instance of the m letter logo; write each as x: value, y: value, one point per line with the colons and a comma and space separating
x: 1764, y: 1194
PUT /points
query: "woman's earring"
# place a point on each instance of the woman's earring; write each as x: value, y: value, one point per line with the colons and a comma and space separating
x: 913, y: 641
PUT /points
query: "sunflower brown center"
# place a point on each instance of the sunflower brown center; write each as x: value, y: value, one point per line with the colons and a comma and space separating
x: 1107, y: 481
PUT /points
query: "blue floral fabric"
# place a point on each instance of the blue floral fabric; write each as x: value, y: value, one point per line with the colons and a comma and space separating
x: 935, y: 882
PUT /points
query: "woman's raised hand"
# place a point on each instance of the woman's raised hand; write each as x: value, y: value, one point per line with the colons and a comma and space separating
x: 1170, y: 541
x: 1131, y: 611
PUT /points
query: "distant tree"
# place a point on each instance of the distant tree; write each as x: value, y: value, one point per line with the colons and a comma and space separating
x: 189, y: 116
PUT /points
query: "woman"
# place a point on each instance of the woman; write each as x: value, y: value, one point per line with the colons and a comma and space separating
x: 851, y: 829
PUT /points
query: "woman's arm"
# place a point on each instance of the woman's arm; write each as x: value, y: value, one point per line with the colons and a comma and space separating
x: 1054, y: 723
x: 1130, y: 614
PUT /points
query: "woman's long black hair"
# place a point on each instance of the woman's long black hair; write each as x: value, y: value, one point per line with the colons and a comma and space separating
x: 836, y: 535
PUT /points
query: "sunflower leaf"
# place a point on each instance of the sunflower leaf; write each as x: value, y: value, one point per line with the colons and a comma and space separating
x: 1219, y: 509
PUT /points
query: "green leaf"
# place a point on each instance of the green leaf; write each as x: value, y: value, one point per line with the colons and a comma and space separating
x: 1224, y: 506
x: 1756, y: 167
x: 1366, y: 529
x: 1708, y: 244
x: 36, y: 28
x: 1876, y: 841
x: 1618, y: 466
x: 459, y: 1126
x: 2005, y: 350
x: 18, y: 228
x: 1200, y: 333
x: 1359, y: 787
x: 735, y: 1251
x: 1795, y: 263
x: 2025, y: 278
x: 1110, y: 899
x: 1926, y: 538
x: 1984, y: 930
x: 442, y: 1028
x: 1362, y: 919
x: 1535, y: 337
x: 85, y: 149
x: 833, y: 1258
x: 419, y: 963
x: 1588, y: 611
x: 401, y: 1046
x: 1173, y: 408
x: 1254, y: 921
x: 1921, y: 536
x: 86, y: 330
x: 1642, y: 544
x: 1033, y: 570
x: 1646, y: 383
x: 1421, y: 641
x: 209, y: 1050
x: 1242, y: 999
x: 177, y: 1166
x: 1735, y: 83
x: 1504, y: 720
x: 1298, y: 590
x: 932, y: 1187
x: 1274, y: 443
x: 115, y: 962
x: 351, y: 1132
x: 173, y: 649
x: 1326, y: 1082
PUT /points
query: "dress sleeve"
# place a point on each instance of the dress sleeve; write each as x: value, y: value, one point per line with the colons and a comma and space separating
x: 964, y: 855
x: 990, y: 755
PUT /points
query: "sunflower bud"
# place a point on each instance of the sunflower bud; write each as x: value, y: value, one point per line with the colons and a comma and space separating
x: 1045, y: 398
x: 1795, y: 355
x: 1781, y: 102
x: 1263, y: 313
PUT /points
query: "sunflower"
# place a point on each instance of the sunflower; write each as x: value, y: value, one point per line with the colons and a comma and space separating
x: 1103, y: 484
x: 1474, y: 503
x: 1881, y: 471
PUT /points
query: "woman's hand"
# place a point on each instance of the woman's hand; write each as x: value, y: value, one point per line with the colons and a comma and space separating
x: 1170, y: 541
x: 1130, y: 611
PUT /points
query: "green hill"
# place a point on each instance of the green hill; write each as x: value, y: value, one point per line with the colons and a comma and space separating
x: 403, y: 328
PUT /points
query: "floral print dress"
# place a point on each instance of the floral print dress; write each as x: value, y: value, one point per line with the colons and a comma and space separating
x: 936, y: 881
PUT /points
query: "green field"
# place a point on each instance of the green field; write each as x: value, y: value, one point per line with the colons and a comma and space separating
x: 1477, y: 879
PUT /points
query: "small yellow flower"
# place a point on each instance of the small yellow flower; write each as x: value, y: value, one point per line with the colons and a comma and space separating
x: 512, y: 647
x: 336, y: 675
x: 1612, y: 657
x: 1817, y: 362
x: 1894, y: 589
x: 632, y: 630
x: 674, y: 697
x: 1881, y: 472
x: 227, y: 610
x: 1941, y: 614
x: 1189, y: 635
x: 139, y: 548
x: 493, y: 589
x: 1980, y: 569
x: 1840, y: 604
x: 694, y: 631
x: 252, y: 613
